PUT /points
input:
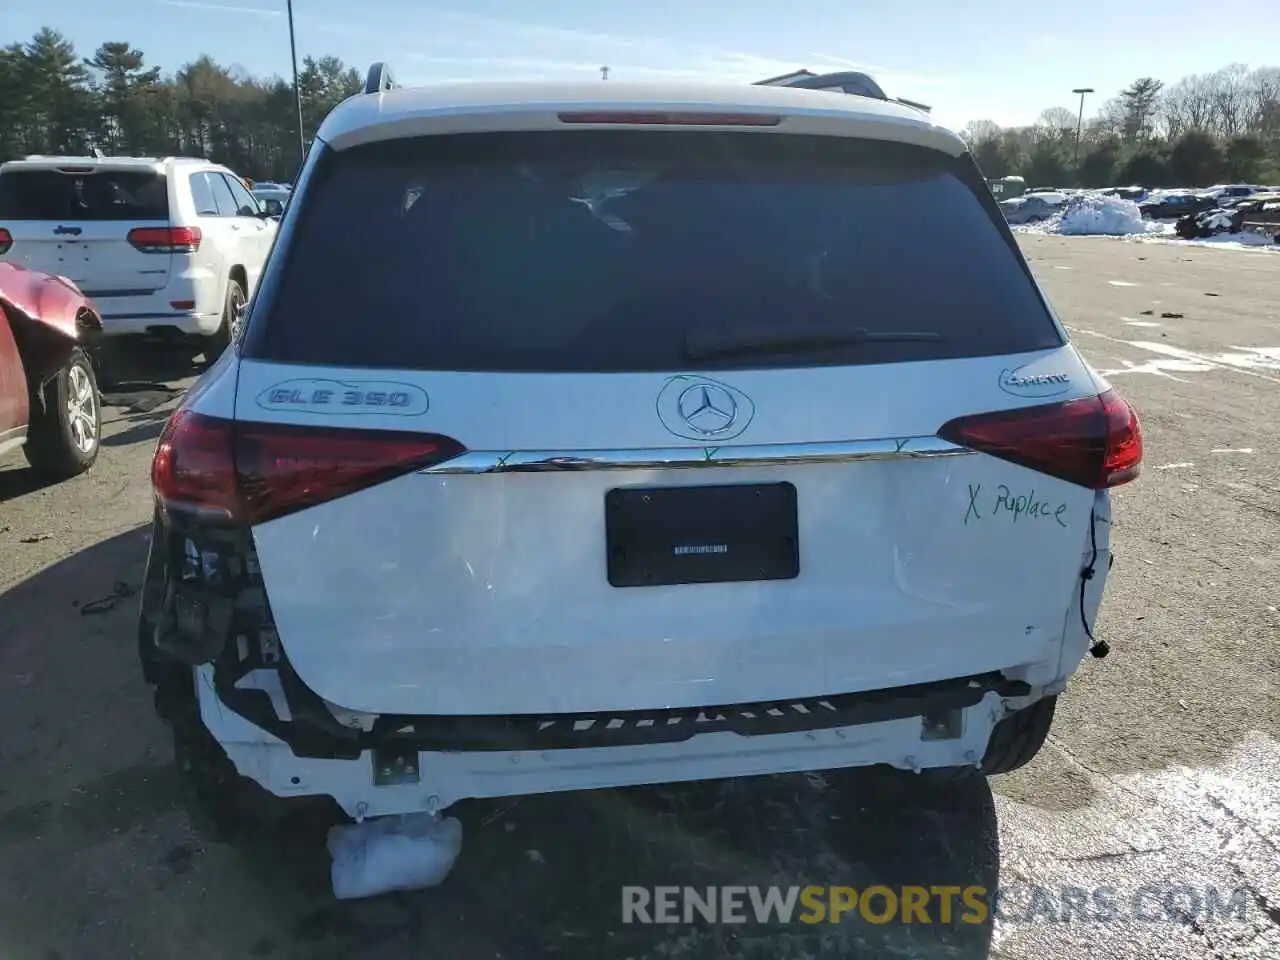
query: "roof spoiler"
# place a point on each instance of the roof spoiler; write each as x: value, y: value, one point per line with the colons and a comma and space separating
x: 848, y: 81
x: 379, y: 79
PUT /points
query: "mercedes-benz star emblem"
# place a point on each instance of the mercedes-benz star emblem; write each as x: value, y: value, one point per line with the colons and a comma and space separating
x: 707, y: 408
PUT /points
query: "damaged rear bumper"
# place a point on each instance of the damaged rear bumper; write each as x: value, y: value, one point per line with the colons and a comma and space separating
x: 205, y: 615
x: 386, y: 774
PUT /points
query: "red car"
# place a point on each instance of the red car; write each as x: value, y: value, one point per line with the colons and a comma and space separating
x: 49, y: 402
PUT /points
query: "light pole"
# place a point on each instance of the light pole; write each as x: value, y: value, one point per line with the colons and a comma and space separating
x: 297, y: 93
x: 1080, y: 118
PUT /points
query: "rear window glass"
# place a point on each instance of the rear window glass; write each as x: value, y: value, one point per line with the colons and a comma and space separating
x: 101, y: 195
x: 643, y: 251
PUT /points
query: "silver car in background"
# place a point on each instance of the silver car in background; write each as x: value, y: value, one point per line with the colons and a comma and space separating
x: 272, y: 198
x: 1033, y: 207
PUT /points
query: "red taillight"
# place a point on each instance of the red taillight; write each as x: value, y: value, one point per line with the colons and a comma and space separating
x: 165, y: 239
x: 254, y: 472
x: 285, y: 468
x: 194, y: 466
x: 6, y: 241
x: 679, y: 119
x: 1095, y: 442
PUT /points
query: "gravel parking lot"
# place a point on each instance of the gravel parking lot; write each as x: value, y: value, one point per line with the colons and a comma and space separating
x: 1160, y: 783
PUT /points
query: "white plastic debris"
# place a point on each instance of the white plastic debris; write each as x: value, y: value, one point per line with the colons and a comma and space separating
x: 406, y: 852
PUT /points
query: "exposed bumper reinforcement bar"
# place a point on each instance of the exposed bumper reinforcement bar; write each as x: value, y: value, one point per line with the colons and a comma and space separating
x: 312, y: 731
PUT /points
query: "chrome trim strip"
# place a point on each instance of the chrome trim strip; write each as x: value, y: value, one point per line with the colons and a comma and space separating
x: 666, y: 458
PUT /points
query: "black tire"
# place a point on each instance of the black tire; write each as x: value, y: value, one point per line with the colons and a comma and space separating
x: 218, y: 799
x: 65, y: 432
x: 1014, y: 741
x: 232, y: 314
x: 1018, y: 737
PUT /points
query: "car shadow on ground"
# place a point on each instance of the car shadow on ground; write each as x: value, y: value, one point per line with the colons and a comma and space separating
x: 142, y: 427
x: 538, y: 876
x: 140, y: 386
x: 20, y: 481
x: 128, y: 363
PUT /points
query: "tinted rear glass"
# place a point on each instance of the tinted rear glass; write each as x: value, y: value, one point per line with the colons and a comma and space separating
x: 613, y: 251
x: 102, y: 195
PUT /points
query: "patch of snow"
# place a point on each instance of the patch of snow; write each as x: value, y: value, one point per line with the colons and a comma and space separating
x: 1160, y: 368
x: 1223, y: 241
x: 405, y: 852
x: 1266, y: 357
x: 1241, y: 240
x: 1175, y: 850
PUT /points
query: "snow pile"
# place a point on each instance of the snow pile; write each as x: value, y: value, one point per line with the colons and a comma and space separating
x: 392, y: 853
x: 1093, y: 215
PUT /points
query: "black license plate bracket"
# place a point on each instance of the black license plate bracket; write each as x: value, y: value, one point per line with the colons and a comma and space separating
x: 727, y: 533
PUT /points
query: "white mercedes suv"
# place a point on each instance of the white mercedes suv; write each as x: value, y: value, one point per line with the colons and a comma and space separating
x: 601, y: 434
x: 169, y: 247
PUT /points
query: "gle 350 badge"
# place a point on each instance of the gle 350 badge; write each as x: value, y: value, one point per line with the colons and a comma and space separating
x: 346, y: 397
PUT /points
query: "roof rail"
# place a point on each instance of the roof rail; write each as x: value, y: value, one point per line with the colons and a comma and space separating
x: 379, y: 78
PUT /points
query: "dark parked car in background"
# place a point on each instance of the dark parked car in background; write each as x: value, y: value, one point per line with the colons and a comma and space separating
x: 1173, y: 206
x: 1259, y: 213
x: 49, y: 403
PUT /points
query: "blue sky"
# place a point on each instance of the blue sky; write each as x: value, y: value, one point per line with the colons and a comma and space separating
x: 1004, y: 60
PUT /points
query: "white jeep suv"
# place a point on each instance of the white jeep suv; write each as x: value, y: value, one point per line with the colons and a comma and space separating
x: 600, y: 434
x: 164, y: 247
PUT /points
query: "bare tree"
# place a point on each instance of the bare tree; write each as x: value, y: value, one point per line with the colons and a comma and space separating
x: 979, y: 131
x: 1057, y: 119
x: 1264, y: 103
x: 1230, y: 98
x: 1187, y: 105
x: 1108, y: 121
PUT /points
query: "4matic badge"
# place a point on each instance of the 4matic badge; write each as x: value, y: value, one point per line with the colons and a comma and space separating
x: 1021, y: 384
x: 699, y: 408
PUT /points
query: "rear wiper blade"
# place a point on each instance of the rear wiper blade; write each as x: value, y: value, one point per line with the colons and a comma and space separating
x: 720, y: 343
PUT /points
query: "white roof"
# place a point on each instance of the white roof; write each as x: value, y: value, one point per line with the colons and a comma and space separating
x: 486, y: 107
x: 39, y: 162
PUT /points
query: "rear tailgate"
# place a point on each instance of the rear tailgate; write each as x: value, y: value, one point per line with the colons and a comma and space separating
x: 75, y: 221
x: 599, y: 331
